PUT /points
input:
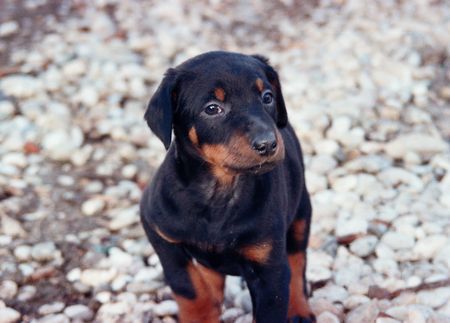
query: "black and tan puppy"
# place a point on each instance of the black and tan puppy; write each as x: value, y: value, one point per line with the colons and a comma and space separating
x: 230, y: 197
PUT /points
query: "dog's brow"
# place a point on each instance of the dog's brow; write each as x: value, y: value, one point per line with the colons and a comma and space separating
x: 219, y: 93
x: 259, y: 84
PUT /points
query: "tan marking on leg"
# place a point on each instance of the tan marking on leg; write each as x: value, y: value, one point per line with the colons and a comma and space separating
x: 299, y: 227
x: 219, y: 93
x: 258, y: 253
x: 259, y: 84
x: 193, y: 136
x: 298, y: 303
x: 165, y: 236
x: 206, y: 307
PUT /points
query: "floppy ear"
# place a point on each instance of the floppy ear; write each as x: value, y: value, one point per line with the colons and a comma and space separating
x: 160, y: 109
x: 272, y: 75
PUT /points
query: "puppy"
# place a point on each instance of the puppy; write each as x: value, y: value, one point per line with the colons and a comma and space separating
x: 230, y: 196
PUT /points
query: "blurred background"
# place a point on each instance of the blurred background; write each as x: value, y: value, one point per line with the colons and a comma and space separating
x: 368, y: 92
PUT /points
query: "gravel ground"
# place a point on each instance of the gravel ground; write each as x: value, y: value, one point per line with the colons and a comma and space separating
x: 367, y: 85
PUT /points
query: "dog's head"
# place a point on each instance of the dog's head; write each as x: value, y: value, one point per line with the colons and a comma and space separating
x: 225, y: 108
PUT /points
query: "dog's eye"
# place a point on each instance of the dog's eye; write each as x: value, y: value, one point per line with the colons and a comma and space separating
x: 213, y: 109
x: 267, y: 97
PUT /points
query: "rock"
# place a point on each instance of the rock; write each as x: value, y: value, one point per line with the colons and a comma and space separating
x: 367, y: 312
x: 387, y: 320
x: 364, y: 246
x: 61, y: 144
x: 230, y: 315
x: 8, y: 289
x: 129, y: 171
x: 96, y: 277
x: 327, y: 317
x: 434, y: 298
x: 113, y: 312
x: 332, y: 292
x: 124, y: 218
x: 347, y: 226
x: 93, y: 206
x: 418, y: 143
x: 164, y: 308
x: 315, y: 182
x: 394, y: 176
x: 54, y: 318
x: 386, y: 266
x: 6, y: 109
x: 8, y: 28
x: 44, y: 251
x: 322, y: 164
x: 326, y: 147
x: 20, y: 86
x: 244, y: 301
x: 427, y: 247
x: 79, y: 312
x: 248, y: 318
x: 51, y: 308
x: 12, y: 227
x: 74, y: 274
x: 9, y: 315
x: 398, y: 240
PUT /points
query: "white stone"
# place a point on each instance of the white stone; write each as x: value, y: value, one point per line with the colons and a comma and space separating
x: 44, y: 251
x: 326, y: 147
x: 93, y: 206
x: 395, y: 176
x: 367, y: 312
x: 332, y: 292
x: 322, y: 164
x: 61, y: 144
x: 96, y: 277
x: 419, y: 143
x: 20, y: 86
x: 427, y: 247
x: 315, y: 182
x: 327, y: 317
x: 9, y: 315
x: 129, y: 171
x: 8, y: 289
x: 113, y: 312
x: 12, y: 227
x: 51, y: 308
x: 434, y: 298
x: 386, y: 266
x: 79, y: 312
x: 6, y: 109
x: 164, y: 308
x: 364, y: 246
x: 54, y: 318
x: 397, y: 240
x: 9, y: 28
x: 124, y: 218
x: 349, y: 226
x: 74, y: 274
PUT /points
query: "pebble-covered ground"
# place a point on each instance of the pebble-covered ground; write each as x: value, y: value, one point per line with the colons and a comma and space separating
x: 368, y: 88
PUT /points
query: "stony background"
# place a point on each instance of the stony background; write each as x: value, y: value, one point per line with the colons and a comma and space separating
x: 367, y: 85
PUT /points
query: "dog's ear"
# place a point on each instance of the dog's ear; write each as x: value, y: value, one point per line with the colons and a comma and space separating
x: 272, y: 76
x: 159, y: 114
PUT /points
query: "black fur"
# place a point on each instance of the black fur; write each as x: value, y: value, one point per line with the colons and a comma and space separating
x: 213, y: 221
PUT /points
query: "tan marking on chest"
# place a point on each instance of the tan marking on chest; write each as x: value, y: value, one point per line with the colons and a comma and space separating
x: 258, y: 252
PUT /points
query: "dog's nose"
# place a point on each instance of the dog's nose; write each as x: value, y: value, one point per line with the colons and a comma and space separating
x: 265, y: 144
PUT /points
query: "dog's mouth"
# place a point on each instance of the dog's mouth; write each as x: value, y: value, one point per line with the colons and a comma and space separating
x: 261, y: 168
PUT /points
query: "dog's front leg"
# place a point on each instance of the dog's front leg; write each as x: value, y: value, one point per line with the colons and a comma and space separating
x: 198, y: 290
x: 269, y: 289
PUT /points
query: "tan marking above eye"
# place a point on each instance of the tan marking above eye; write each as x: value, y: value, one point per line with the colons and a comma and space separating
x: 259, y: 84
x: 219, y: 93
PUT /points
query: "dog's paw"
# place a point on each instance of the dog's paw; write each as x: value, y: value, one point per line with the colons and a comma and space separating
x: 298, y: 319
